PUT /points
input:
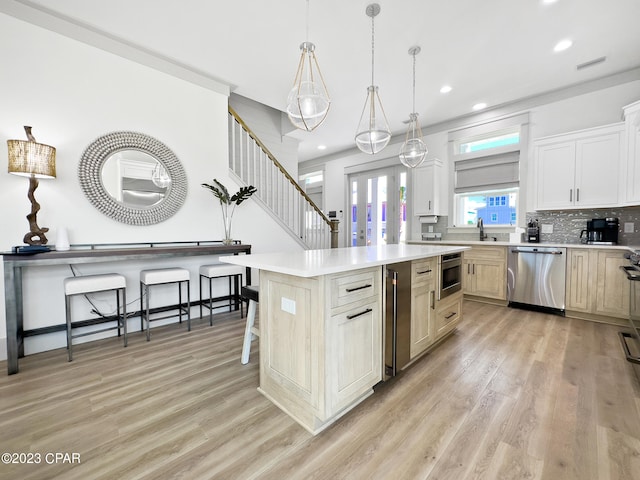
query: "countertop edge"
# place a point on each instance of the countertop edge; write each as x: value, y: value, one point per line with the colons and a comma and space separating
x: 474, y: 243
x: 275, y: 262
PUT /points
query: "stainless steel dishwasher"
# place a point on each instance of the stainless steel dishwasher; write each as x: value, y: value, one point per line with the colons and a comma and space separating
x: 536, y: 278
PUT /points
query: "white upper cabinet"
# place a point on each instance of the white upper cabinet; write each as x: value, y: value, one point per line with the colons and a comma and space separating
x: 579, y: 169
x: 632, y: 151
x: 427, y: 187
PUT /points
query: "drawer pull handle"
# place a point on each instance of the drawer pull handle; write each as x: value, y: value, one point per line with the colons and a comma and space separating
x: 424, y: 271
x: 364, y: 312
x: 349, y: 290
x: 447, y: 317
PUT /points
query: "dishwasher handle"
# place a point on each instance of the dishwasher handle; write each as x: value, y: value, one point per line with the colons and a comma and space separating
x: 537, y: 252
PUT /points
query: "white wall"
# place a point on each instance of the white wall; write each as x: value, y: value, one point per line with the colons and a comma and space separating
x: 72, y: 93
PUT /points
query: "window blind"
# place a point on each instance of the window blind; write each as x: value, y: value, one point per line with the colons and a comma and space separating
x: 494, y: 172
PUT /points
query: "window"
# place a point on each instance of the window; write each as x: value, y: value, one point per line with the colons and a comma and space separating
x: 495, y: 208
x: 486, y: 170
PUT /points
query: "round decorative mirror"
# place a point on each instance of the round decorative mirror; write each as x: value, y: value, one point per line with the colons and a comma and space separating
x: 132, y: 178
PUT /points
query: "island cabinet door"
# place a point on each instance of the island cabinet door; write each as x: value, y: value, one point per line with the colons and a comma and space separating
x: 291, y: 340
x: 354, y: 353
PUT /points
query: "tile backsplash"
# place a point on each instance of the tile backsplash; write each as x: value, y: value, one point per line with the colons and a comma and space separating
x: 566, y: 225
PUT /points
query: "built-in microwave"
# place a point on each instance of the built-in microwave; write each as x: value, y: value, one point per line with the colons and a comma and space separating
x: 450, y: 274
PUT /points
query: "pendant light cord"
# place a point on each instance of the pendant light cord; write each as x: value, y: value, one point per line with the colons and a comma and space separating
x: 307, y: 36
x: 372, y: 46
x: 414, y: 83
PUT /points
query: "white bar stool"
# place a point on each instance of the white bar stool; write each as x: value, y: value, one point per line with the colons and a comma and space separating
x: 219, y: 270
x: 162, y: 276
x: 251, y: 332
x: 93, y: 284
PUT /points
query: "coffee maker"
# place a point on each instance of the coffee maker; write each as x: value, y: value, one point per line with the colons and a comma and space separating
x: 601, y: 231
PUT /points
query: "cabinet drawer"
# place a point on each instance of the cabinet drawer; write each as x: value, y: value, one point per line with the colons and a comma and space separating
x: 486, y: 253
x: 447, y: 316
x: 352, y: 287
x: 423, y: 271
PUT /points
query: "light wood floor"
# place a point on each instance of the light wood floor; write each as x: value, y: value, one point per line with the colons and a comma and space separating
x: 512, y: 394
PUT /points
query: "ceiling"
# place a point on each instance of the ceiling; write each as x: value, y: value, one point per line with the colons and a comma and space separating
x: 492, y: 51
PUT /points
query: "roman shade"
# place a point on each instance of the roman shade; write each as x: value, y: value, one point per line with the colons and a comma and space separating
x: 494, y: 172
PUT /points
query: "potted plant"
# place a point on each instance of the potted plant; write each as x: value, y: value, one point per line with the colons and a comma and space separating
x: 222, y: 194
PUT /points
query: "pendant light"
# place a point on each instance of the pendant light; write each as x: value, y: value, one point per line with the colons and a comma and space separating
x: 373, y: 132
x: 413, y: 150
x: 308, y: 101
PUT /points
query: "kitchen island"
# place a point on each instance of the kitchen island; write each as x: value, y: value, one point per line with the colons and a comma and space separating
x: 321, y: 326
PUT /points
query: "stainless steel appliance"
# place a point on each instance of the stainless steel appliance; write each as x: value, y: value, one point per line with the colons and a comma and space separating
x: 601, y: 231
x: 397, y: 345
x: 536, y: 278
x: 450, y: 274
x: 631, y: 340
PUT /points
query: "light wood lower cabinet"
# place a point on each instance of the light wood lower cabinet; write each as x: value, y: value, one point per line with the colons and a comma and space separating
x: 595, y: 284
x: 423, y: 289
x: 320, y: 342
x: 484, y: 272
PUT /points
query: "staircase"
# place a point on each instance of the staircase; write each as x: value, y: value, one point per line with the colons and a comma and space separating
x: 278, y: 193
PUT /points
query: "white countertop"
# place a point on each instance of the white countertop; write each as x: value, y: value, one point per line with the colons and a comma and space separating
x: 312, y: 263
x: 490, y: 243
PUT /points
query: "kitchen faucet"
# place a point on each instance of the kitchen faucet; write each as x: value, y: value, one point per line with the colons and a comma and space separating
x: 481, y: 227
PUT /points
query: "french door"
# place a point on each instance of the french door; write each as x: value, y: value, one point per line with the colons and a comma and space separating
x: 378, y: 206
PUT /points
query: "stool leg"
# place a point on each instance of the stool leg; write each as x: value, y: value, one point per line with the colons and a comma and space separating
x: 141, y: 310
x: 67, y: 306
x: 124, y: 314
x: 188, y: 306
x: 230, y: 280
x: 210, y: 303
x: 200, y: 284
x: 146, y: 290
x: 246, y: 344
x: 180, y: 301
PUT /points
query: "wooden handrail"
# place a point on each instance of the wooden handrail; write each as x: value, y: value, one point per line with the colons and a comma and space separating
x: 255, y: 138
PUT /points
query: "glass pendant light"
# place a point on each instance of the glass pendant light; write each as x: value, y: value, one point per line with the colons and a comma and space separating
x: 160, y: 177
x: 308, y: 101
x: 373, y: 132
x: 413, y: 150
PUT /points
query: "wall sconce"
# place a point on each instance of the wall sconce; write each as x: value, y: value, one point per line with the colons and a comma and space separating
x: 33, y: 160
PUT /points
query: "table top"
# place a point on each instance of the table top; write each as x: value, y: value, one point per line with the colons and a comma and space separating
x: 312, y: 263
x: 128, y: 251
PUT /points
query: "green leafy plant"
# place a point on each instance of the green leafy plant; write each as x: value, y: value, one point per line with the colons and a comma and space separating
x: 226, y: 200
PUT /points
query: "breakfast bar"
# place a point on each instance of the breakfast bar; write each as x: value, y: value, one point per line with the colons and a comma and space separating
x: 321, y: 326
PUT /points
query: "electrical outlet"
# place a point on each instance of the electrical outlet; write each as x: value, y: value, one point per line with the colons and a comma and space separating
x: 629, y: 227
x: 547, y: 228
x: 430, y: 228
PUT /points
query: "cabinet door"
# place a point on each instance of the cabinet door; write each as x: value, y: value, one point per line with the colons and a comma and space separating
x: 597, y: 171
x: 612, y: 286
x: 578, y: 281
x: 490, y: 279
x: 556, y: 175
x: 632, y: 126
x: 422, y: 305
x: 426, y: 188
x: 354, y: 353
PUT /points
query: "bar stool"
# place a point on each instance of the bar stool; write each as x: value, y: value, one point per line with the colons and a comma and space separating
x: 219, y: 270
x: 162, y: 276
x: 93, y: 284
x: 250, y: 293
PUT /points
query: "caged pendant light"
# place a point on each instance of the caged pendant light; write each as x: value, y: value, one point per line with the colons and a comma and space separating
x: 413, y: 150
x: 308, y: 101
x: 373, y: 132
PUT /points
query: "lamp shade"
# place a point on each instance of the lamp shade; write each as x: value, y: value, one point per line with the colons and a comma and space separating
x: 373, y: 130
x: 28, y: 158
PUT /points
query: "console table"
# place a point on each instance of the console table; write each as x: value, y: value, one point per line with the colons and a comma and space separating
x: 79, y: 254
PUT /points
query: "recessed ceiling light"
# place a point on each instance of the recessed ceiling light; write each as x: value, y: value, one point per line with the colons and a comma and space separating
x: 445, y: 89
x: 322, y: 147
x: 562, y: 45
x: 480, y: 106
x: 549, y: 2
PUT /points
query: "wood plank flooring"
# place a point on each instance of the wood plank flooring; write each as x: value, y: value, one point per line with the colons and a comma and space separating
x: 510, y: 395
